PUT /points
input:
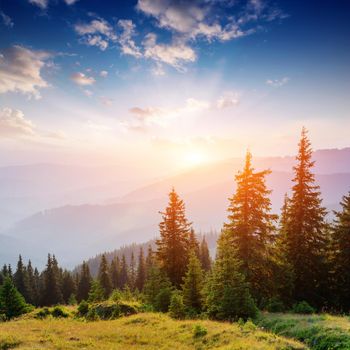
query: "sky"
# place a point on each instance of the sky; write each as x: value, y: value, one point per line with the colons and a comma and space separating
x: 170, y: 84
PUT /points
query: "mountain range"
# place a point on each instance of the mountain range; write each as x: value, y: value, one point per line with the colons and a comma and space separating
x: 77, y: 212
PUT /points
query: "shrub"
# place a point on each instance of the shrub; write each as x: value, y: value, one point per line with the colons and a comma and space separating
x: 92, y: 315
x: 2, y: 317
x: 303, y: 307
x: 177, y: 308
x: 72, y: 300
x: 199, y: 331
x: 58, y: 312
x: 162, y: 301
x: 275, y: 305
x: 83, y: 308
x: 43, y: 313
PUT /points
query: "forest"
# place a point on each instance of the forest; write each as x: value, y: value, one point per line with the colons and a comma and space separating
x: 296, y: 262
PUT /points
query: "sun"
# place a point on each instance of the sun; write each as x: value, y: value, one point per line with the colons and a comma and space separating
x: 194, y: 158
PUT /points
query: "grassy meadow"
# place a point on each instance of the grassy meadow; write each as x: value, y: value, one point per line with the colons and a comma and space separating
x: 318, y: 331
x: 142, y: 331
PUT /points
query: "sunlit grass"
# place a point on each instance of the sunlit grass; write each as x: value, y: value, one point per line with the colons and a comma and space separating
x: 142, y: 331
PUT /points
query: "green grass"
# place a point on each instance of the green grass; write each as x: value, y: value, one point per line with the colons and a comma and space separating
x: 142, y: 331
x: 319, y: 332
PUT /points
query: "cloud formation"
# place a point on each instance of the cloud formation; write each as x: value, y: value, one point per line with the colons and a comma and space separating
x: 82, y: 79
x: 21, y: 70
x: 7, y: 20
x: 98, y: 32
x: 277, y: 82
x: 227, y: 100
x: 43, y: 4
x: 13, y: 124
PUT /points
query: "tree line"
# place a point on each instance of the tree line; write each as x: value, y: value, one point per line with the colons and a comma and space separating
x: 262, y: 261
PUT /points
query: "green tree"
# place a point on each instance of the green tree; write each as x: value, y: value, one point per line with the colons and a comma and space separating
x: 132, y: 272
x: 141, y: 271
x: 51, y: 293
x: 158, y: 289
x: 304, y: 237
x: 20, y: 279
x: 193, y: 244
x: 251, y: 226
x: 12, y: 303
x: 68, y: 286
x: 204, y: 255
x: 177, y: 307
x: 192, y: 288
x: 173, y: 245
x: 103, y: 277
x: 114, y: 272
x: 341, y: 254
x: 84, y: 283
x: 97, y: 293
x: 124, y: 273
x: 227, y: 292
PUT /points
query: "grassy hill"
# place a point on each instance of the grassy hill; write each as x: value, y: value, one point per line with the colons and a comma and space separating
x: 143, y: 331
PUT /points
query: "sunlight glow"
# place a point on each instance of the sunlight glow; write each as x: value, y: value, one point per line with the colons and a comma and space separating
x: 195, y: 158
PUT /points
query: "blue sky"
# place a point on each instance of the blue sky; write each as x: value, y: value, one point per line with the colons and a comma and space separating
x: 170, y: 81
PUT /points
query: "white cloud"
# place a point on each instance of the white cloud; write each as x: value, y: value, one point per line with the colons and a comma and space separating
x: 106, y: 101
x: 7, y: 20
x: 227, y: 100
x: 88, y: 93
x: 97, y: 32
x: 158, y: 116
x: 40, y: 3
x: 103, y: 73
x: 13, y: 124
x: 127, y: 44
x: 277, y: 82
x: 82, y: 79
x: 70, y: 2
x: 20, y: 71
x: 174, y: 54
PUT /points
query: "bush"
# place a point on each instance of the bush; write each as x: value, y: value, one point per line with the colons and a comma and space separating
x: 111, y: 310
x: 199, y: 331
x: 275, y: 305
x: 43, y: 313
x: 72, y: 300
x: 92, y: 315
x: 303, y: 307
x: 2, y: 317
x: 83, y: 308
x: 58, y: 312
x: 162, y: 301
x: 177, y: 308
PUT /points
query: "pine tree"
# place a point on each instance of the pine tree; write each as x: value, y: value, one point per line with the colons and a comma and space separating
x: 51, y: 294
x: 192, y: 287
x: 341, y: 254
x: 20, y: 279
x: 204, y: 255
x: 132, y: 272
x: 141, y: 272
x: 84, y: 283
x: 97, y: 293
x: 304, y: 238
x: 149, y: 259
x: 32, y: 292
x: 193, y: 244
x: 114, y: 272
x: 251, y: 226
x: 124, y: 275
x: 103, y: 277
x: 68, y: 286
x: 12, y: 303
x: 173, y: 244
x: 227, y: 292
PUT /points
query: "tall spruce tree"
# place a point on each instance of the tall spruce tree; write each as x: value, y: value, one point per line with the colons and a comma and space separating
x: 132, y: 272
x: 173, y: 245
x: 193, y: 244
x: 341, y: 255
x: 68, y: 286
x: 51, y: 293
x: 12, y: 303
x: 20, y: 279
x: 227, y: 292
x: 124, y: 273
x: 192, y: 288
x: 251, y: 226
x: 304, y: 233
x: 114, y: 272
x: 103, y: 277
x: 141, y: 271
x: 84, y: 283
x: 204, y: 255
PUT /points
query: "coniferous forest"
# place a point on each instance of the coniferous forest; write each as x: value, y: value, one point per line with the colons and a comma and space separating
x: 297, y: 261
